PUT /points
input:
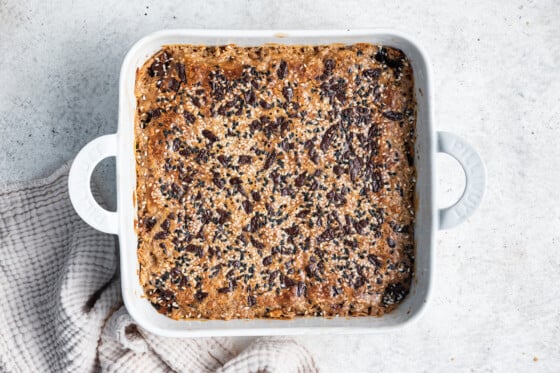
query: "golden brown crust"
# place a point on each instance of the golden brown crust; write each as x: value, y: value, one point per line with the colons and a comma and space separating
x: 275, y: 181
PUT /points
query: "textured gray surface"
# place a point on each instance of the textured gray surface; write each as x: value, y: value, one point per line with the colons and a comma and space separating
x: 496, y: 302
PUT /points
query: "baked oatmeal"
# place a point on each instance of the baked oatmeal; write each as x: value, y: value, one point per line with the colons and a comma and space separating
x: 275, y: 181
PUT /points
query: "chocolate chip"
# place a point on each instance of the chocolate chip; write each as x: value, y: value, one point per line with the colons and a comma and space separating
x: 147, y: 118
x: 199, y: 251
x: 410, y: 158
x: 314, y: 156
x: 355, y: 169
x: 314, y: 186
x: 156, y: 306
x: 247, y: 206
x: 282, y: 124
x: 150, y: 223
x: 176, y: 191
x: 242, y: 191
x: 156, y: 113
x: 273, y: 276
x: 181, y: 72
x: 374, y: 260
x: 302, y: 214
x: 332, y: 89
x: 218, y: 85
x: 166, y: 294
x: 376, y: 181
x: 360, y: 225
x: 202, y: 156
x: 393, y: 115
x: 243, y: 239
x: 209, y: 135
x: 250, y: 97
x: 267, y: 260
x: 381, y: 55
x: 224, y: 161
x: 372, y: 73
x: 288, y: 93
x: 397, y: 228
x: 327, y: 138
x: 255, y: 125
x: 329, y: 66
x: 256, y: 196
x: 165, y: 225
x: 292, y: 231
x: 192, y: 248
x: 218, y: 182
x: 393, y: 294
x: 396, y: 63
x: 288, y: 282
x: 300, y: 180
x: 175, y: 272
x: 224, y: 216
x: 173, y: 84
x: 161, y: 235
x: 363, y: 111
x: 301, y: 289
x: 311, y: 269
x: 308, y: 145
x: 264, y: 104
x: 195, y: 101
x: 338, y: 170
x: 231, y: 285
x: 282, y: 70
x: 256, y: 244
x: 256, y: 223
x: 235, y: 181
x: 270, y: 160
x: 251, y: 300
x: 189, y: 117
x: 157, y: 68
x: 200, y: 295
x: 275, y: 176
x: 245, y: 159
x: 286, y: 145
x: 391, y: 242
x: 183, y: 282
x: 359, y: 282
x: 327, y: 235
x: 225, y: 289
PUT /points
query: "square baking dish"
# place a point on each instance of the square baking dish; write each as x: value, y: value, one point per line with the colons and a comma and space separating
x: 122, y: 222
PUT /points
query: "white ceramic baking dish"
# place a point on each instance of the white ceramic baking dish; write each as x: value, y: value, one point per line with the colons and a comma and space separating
x: 121, y: 222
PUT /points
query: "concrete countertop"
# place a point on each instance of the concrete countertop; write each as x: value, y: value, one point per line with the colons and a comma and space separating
x: 496, y: 299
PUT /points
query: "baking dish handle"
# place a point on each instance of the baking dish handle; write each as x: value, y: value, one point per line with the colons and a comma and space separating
x: 475, y: 179
x: 79, y: 185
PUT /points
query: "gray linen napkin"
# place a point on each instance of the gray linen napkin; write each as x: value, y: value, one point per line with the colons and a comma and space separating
x: 61, y: 308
